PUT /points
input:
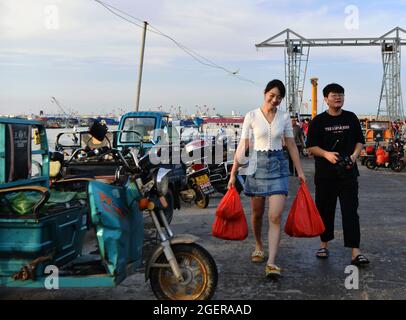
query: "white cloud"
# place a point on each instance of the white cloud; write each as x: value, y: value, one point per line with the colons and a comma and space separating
x: 222, y: 31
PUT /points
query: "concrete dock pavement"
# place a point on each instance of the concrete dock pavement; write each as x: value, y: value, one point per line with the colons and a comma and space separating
x: 382, y: 210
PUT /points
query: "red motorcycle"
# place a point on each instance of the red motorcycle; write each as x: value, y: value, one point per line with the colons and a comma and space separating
x: 391, y: 158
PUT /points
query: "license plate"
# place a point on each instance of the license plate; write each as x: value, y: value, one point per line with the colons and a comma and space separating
x: 200, y: 180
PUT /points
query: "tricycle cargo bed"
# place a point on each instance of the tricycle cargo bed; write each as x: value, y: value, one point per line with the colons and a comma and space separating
x: 54, y: 239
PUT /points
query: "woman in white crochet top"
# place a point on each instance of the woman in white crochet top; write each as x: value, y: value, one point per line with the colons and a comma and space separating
x: 270, y: 128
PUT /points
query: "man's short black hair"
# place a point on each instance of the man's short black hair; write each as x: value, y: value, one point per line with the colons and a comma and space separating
x: 276, y: 84
x: 332, y: 87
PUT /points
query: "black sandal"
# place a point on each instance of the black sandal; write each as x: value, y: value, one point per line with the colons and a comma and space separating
x: 359, y: 260
x: 322, y: 253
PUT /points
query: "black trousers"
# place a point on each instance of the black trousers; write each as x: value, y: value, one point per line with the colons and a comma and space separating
x: 346, y: 190
x: 291, y: 166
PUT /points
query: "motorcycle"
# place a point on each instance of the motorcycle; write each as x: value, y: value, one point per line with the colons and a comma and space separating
x: 367, y: 153
x: 219, y: 167
x: 94, y: 159
x: 392, y: 157
x: 197, y: 186
x: 220, y: 176
x: 43, y: 225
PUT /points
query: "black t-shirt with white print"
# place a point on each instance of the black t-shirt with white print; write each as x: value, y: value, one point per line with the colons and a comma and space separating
x: 334, y: 133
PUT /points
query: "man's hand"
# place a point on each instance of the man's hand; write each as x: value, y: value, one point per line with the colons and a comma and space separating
x: 331, y: 156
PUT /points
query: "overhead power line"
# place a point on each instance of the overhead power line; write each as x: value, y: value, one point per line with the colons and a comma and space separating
x: 196, y: 56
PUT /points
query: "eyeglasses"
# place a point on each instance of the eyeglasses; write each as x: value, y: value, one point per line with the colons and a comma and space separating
x: 337, y: 95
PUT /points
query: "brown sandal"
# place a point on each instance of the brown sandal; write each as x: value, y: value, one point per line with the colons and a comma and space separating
x: 272, y: 272
x: 257, y: 256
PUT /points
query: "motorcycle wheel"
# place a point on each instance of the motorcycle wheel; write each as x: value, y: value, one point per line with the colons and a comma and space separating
x: 202, y: 200
x: 397, y: 166
x: 198, y: 269
x: 370, y: 164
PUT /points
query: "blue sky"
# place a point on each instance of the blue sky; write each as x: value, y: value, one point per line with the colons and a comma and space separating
x: 88, y: 59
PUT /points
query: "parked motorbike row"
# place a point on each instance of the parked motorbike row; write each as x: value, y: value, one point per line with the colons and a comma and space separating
x: 210, y: 176
x: 193, y: 181
x: 44, y: 218
x: 376, y: 156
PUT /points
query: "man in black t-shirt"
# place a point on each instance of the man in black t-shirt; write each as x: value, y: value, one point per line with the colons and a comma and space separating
x: 335, y: 139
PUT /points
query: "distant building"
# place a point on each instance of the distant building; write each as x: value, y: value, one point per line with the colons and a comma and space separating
x: 229, y: 126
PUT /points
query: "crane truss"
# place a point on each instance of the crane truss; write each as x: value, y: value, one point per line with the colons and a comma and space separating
x: 297, y: 55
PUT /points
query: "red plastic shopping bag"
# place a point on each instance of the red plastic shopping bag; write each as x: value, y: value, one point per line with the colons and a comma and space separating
x: 230, y: 222
x: 304, y: 219
x: 230, y: 207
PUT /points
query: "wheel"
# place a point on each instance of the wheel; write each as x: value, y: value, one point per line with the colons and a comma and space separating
x: 370, y: 163
x: 397, y: 166
x: 198, y: 269
x: 202, y: 200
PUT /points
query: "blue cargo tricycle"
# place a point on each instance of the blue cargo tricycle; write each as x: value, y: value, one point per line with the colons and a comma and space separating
x: 43, y: 224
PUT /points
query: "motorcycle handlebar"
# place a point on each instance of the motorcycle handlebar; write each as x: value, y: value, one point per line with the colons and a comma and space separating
x: 82, y: 154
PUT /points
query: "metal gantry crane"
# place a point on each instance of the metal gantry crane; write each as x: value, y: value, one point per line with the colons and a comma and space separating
x: 297, y: 57
x: 53, y: 99
x: 66, y: 112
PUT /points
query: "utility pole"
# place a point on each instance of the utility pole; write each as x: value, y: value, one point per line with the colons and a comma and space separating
x: 141, y: 65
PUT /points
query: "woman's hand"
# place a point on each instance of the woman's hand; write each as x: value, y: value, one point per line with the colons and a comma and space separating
x: 301, y: 177
x: 231, y: 182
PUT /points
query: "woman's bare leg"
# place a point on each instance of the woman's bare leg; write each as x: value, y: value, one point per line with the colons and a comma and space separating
x: 276, y: 206
x: 257, y: 209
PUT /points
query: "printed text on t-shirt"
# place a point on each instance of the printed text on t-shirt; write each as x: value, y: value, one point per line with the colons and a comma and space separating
x: 337, y: 128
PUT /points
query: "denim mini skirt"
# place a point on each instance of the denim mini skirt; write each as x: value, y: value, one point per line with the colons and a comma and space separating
x: 271, y: 175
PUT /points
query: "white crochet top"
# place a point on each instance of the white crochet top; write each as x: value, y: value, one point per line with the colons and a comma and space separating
x: 267, y: 136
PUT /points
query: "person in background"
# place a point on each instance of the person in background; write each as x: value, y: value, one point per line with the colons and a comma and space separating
x: 404, y: 131
x: 300, y: 144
